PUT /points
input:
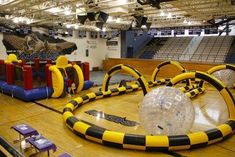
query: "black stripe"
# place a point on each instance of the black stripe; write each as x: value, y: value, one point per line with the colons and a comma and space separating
x: 216, y: 84
x: 99, y: 93
x: 198, y: 145
x: 164, y: 63
x: 201, y: 83
x: 169, y: 84
x: 128, y: 87
x: 107, y: 83
x: 231, y: 123
x: 179, y: 140
x: 92, y: 99
x: 193, y: 93
x: 150, y: 82
x: 85, y: 97
x: 71, y: 121
x: 214, y: 134
x: 142, y: 85
x: 67, y: 109
x: 107, y: 95
x: 112, y: 144
x: 153, y: 149
x: 230, y: 67
x: 134, y: 139
x: 79, y: 134
x: 95, y: 132
x: 114, y: 90
x: 122, y: 92
x: 73, y: 102
x: 114, y: 69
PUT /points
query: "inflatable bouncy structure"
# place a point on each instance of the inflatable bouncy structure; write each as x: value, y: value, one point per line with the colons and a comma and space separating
x: 64, y: 74
x: 40, y: 79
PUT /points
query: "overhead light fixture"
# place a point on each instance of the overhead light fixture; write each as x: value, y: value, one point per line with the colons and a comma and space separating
x: 189, y: 22
x: 54, y: 10
x: 185, y: 21
x: 68, y: 26
x: 104, y: 29
x: 118, y: 20
x: 67, y: 11
x: 16, y: 20
x: 169, y: 15
x: 162, y: 13
x: 110, y: 19
x: 97, y: 29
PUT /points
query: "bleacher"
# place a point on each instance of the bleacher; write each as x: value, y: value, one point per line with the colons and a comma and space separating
x: 213, y: 49
x: 173, y: 48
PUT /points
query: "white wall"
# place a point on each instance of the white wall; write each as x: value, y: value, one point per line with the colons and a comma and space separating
x: 3, y: 53
x: 97, y: 48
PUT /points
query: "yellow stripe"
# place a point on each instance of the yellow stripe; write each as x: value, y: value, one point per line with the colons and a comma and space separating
x: 157, y: 141
x: 229, y: 102
x: 197, y: 138
x: 66, y: 115
x: 225, y: 129
x: 69, y: 105
x: 91, y: 95
x: 81, y: 127
x: 216, y: 68
x: 111, y: 136
x: 182, y: 77
x: 154, y: 72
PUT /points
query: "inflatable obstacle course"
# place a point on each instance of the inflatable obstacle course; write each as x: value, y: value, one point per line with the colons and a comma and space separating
x: 40, y: 79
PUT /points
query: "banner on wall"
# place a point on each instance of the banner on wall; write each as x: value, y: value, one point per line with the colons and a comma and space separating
x: 112, y: 44
x: 37, y: 44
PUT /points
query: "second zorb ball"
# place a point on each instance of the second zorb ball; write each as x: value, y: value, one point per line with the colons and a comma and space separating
x: 166, y: 111
x: 227, y: 76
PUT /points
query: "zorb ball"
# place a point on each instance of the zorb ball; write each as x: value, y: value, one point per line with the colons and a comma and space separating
x: 166, y: 111
x: 227, y: 76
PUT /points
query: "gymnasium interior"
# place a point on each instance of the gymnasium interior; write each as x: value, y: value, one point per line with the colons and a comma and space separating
x: 123, y: 78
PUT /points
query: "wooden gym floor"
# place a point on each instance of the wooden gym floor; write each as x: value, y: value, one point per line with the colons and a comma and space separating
x: 45, y: 116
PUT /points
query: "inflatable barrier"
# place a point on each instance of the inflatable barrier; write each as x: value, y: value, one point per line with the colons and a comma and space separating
x: 150, y: 142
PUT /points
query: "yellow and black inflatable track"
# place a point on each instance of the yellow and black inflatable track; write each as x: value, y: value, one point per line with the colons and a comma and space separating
x: 149, y: 142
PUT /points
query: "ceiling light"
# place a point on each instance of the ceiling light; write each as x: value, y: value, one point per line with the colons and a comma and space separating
x: 169, y: 15
x: 67, y: 11
x: 68, y: 26
x: 54, y: 10
x: 110, y: 19
x: 28, y: 21
x: 103, y: 29
x: 189, y: 22
x: 185, y: 21
x: 16, y: 20
x: 97, y: 29
x: 162, y: 13
x: 118, y: 20
x: 76, y: 26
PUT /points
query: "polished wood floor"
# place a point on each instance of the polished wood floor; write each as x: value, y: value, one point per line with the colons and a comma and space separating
x: 210, y: 111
